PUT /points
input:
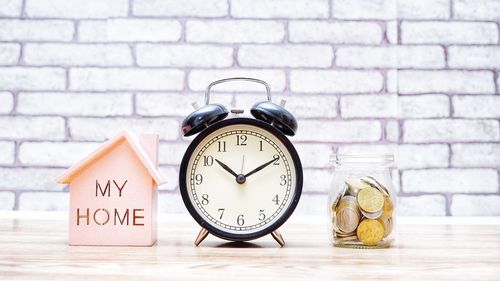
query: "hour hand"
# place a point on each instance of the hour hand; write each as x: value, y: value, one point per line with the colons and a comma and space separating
x: 225, y: 167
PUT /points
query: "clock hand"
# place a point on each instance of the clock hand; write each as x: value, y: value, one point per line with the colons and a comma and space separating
x: 261, y: 167
x: 225, y: 167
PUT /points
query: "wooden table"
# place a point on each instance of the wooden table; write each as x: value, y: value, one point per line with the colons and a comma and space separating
x: 34, y: 246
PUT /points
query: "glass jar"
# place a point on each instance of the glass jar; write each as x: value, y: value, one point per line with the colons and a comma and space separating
x: 362, y: 201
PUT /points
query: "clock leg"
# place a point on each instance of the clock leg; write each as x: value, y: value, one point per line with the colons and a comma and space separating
x: 277, y: 236
x: 201, y: 236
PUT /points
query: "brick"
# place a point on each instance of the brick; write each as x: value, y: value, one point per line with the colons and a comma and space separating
x: 21, y: 127
x: 424, y: 205
x: 88, y: 55
x: 36, y: 30
x: 396, y: 180
x: 302, y: 106
x: 392, y: 131
x: 172, y: 8
x: 44, y: 201
x: 364, y: 9
x: 391, y: 57
x: 9, y: 53
x: 344, y: 32
x: 30, y: 178
x: 171, y: 203
x: 392, y: 81
x: 172, y: 176
x: 199, y: 79
x: 7, y: 150
x: 435, y: 130
x: 449, y: 32
x: 312, y: 204
x: 368, y: 106
x: 338, y: 131
x: 313, y: 155
x: 450, y: 180
x: 423, y: 106
x: 99, y: 129
x: 285, y: 56
x: 476, y: 106
x: 172, y: 104
x: 335, y: 81
x: 10, y: 8
x: 7, y: 201
x: 101, y: 79
x: 475, y: 155
x: 184, y: 55
x: 125, y: 30
x: 31, y: 78
x: 438, y: 81
x: 76, y: 8
x: 107, y: 104
x: 279, y: 9
x: 6, y: 102
x: 477, y: 9
x: 171, y: 153
x: 474, y: 57
x: 391, y: 32
x: 475, y: 205
x: 54, y: 154
x: 316, y: 180
x: 234, y: 31
x: 411, y: 156
x: 423, y: 9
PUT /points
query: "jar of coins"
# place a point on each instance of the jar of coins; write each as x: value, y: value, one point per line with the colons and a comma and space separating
x: 361, y: 204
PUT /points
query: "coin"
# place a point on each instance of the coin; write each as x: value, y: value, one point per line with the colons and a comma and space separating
x: 370, y: 200
x: 374, y: 216
x: 388, y: 207
x: 388, y: 224
x: 355, y: 185
x: 370, y: 232
x: 347, y: 238
x: 347, y: 215
x: 341, y: 193
x: 373, y: 182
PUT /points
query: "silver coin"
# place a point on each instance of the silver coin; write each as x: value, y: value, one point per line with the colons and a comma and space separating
x: 372, y: 216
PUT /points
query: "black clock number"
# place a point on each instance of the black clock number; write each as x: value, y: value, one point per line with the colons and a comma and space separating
x: 240, y: 221
x: 241, y: 140
x: 198, y: 179
x: 283, y: 180
x: 204, y: 199
x: 221, y: 146
x: 277, y: 157
x: 208, y: 160
x: 221, y: 211
x: 276, y: 200
x: 260, y: 146
x: 262, y: 216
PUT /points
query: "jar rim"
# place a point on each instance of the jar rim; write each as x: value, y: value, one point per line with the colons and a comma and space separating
x: 362, y: 158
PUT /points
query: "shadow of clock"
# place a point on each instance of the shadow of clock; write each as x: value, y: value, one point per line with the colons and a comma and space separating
x: 238, y: 244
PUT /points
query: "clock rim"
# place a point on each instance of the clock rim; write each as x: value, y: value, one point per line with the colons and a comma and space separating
x: 286, y: 213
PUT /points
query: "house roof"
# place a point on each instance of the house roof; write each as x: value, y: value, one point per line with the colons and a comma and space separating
x: 68, y: 175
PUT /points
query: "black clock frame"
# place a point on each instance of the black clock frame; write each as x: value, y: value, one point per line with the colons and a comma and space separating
x: 286, y: 213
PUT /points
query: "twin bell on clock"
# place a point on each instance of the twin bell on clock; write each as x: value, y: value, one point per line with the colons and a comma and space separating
x: 240, y: 178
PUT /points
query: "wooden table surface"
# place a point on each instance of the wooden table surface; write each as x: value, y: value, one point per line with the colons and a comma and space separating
x: 33, y: 246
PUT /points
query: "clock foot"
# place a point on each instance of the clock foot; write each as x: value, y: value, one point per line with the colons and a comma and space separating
x: 277, y: 236
x: 201, y: 236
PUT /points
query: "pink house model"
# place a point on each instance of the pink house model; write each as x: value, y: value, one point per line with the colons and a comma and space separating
x: 113, y: 193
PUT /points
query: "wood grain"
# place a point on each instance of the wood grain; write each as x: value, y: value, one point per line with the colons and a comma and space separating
x: 35, y: 248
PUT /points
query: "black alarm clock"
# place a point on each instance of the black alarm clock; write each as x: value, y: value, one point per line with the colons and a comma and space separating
x: 240, y: 178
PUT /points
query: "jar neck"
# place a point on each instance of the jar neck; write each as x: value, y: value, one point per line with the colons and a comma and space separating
x: 362, y: 162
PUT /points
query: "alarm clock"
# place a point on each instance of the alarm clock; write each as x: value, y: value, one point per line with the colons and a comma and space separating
x: 240, y: 178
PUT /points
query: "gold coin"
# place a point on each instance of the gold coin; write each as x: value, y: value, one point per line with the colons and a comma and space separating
x: 373, y: 182
x: 370, y: 200
x: 370, y: 232
x: 388, y: 207
x: 388, y: 224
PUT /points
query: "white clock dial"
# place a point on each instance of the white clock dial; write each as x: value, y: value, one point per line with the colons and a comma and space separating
x: 241, y: 178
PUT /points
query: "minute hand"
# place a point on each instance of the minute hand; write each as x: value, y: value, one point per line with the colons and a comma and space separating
x: 260, y: 167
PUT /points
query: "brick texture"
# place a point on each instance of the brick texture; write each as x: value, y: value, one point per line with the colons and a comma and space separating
x: 418, y: 78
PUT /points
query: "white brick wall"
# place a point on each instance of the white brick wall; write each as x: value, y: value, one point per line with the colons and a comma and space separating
x: 420, y: 78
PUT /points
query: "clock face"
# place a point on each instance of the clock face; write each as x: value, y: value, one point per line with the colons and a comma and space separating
x: 241, y: 178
